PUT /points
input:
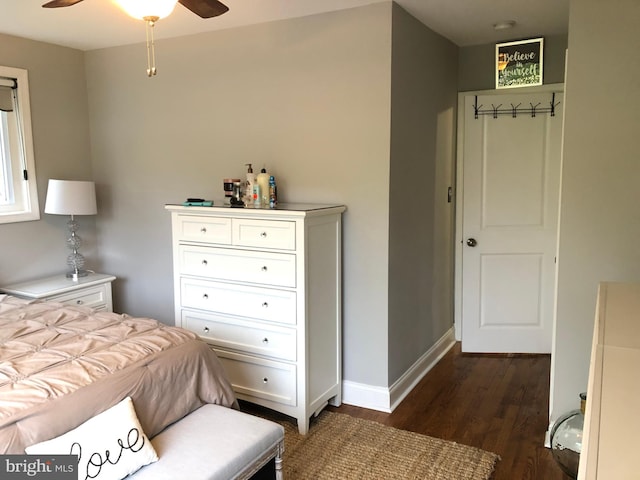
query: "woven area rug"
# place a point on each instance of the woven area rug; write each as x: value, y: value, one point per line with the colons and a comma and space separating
x: 341, y: 447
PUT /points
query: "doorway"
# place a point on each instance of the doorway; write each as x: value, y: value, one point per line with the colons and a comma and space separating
x: 508, y: 184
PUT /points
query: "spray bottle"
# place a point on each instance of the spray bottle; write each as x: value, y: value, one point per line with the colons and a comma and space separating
x: 273, y: 192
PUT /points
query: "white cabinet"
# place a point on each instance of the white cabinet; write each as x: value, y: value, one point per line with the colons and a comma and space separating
x: 611, y: 425
x: 93, y: 291
x: 263, y: 288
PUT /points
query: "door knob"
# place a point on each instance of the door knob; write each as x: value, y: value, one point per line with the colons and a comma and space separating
x: 471, y: 242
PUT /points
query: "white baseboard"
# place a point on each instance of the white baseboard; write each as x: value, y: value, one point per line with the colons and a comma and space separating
x: 386, y: 399
x: 403, y: 386
x: 366, y: 396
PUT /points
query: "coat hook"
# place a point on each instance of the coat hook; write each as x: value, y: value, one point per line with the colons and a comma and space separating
x: 553, y: 105
x: 515, y: 109
x: 476, y: 108
x: 533, y: 108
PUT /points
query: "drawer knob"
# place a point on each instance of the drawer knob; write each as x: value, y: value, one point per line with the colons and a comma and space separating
x: 205, y: 263
x: 265, y: 380
x: 264, y: 268
x: 205, y: 296
x: 203, y: 230
x: 265, y: 340
x: 265, y: 304
x: 263, y: 234
x: 206, y: 329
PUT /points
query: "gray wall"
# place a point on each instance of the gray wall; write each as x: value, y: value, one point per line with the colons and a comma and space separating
x: 308, y: 97
x: 61, y: 143
x: 477, y: 64
x: 423, y: 99
x: 600, y: 217
x: 311, y: 98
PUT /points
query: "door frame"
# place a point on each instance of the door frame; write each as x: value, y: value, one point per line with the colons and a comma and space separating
x: 459, y: 170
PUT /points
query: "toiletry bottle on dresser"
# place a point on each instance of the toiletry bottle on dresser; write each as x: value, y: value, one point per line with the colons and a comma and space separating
x: 248, y: 186
x: 263, y: 181
x: 273, y: 192
x: 257, y: 197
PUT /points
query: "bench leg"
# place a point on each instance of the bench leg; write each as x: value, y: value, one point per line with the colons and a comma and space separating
x: 279, y: 474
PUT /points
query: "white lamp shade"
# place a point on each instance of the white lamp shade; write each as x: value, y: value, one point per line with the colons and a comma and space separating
x: 70, y: 197
x: 147, y: 8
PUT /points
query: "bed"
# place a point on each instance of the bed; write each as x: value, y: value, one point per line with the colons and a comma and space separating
x: 61, y: 365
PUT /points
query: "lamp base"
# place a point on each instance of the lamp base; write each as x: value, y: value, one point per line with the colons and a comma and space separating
x: 75, y: 274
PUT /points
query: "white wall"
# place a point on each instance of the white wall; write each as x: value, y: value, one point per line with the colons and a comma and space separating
x: 60, y: 124
x: 600, y: 214
x: 308, y: 97
x: 311, y: 99
x: 420, y: 219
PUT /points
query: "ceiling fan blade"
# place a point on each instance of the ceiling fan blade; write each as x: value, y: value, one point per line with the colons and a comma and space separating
x: 60, y: 3
x: 204, y: 8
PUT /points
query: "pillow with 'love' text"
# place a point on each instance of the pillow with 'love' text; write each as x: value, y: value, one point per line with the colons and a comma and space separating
x: 109, y: 446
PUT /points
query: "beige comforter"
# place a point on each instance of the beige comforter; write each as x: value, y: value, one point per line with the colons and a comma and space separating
x: 61, y: 365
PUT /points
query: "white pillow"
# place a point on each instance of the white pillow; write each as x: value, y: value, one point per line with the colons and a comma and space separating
x: 110, y: 445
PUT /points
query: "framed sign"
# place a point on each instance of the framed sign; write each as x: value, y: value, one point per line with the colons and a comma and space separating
x: 519, y: 64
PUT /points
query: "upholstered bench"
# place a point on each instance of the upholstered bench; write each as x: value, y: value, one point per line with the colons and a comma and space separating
x: 215, y: 443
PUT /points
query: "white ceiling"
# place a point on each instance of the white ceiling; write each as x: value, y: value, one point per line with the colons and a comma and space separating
x: 94, y: 24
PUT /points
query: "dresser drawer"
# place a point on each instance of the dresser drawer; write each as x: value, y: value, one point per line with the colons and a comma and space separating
x: 195, y: 228
x: 242, y: 334
x: 277, y: 234
x: 260, y: 378
x: 261, y: 303
x: 278, y: 269
x: 94, y: 297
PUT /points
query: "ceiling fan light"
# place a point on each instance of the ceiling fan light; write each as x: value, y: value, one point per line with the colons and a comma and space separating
x: 142, y: 9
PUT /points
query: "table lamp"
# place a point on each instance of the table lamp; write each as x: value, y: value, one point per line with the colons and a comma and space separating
x: 69, y: 197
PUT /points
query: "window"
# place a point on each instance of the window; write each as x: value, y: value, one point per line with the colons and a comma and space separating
x: 18, y: 192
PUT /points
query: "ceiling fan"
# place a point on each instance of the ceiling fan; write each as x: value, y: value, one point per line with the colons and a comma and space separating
x: 202, y: 8
x: 151, y: 12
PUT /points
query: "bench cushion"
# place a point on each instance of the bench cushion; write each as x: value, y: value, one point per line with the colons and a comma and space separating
x: 213, y: 443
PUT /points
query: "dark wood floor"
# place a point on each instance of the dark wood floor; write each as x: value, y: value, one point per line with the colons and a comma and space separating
x: 495, y: 402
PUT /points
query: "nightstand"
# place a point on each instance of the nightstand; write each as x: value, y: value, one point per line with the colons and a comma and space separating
x: 93, y: 291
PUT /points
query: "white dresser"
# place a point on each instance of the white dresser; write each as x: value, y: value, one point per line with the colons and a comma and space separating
x: 263, y: 288
x: 610, y: 443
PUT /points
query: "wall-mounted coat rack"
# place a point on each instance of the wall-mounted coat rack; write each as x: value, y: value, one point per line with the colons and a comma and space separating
x: 514, y: 110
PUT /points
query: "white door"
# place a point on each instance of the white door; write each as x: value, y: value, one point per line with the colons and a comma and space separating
x: 510, y: 194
